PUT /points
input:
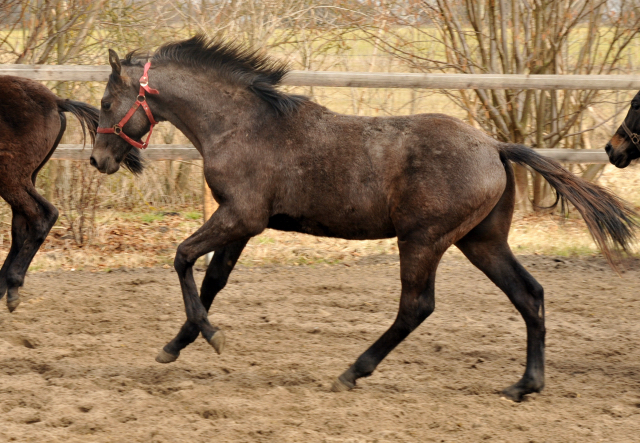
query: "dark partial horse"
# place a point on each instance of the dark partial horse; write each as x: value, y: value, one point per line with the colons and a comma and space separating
x: 624, y: 146
x: 280, y: 161
x: 32, y: 122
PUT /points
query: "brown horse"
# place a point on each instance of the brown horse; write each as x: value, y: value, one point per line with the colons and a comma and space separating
x: 32, y: 122
x: 274, y: 160
x: 624, y: 146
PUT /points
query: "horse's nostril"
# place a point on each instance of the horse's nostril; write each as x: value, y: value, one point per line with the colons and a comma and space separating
x: 607, y: 148
x: 93, y: 162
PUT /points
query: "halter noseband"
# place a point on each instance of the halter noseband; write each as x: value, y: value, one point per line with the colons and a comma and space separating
x: 635, y: 138
x: 141, y: 100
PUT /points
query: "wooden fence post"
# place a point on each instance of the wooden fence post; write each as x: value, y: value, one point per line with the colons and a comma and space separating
x: 210, y: 207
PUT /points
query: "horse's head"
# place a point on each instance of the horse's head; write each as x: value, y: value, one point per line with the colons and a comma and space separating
x: 111, y: 148
x: 624, y: 146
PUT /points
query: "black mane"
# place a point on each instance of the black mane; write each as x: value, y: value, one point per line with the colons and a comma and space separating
x: 236, y: 62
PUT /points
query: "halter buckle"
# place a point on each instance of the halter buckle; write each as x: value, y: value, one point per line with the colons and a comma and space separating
x: 141, y: 98
x: 117, y: 129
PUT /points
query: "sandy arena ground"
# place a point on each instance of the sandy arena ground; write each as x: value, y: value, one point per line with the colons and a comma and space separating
x: 77, y: 358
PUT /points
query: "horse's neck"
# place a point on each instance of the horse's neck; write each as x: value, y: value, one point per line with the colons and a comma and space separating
x: 204, y: 114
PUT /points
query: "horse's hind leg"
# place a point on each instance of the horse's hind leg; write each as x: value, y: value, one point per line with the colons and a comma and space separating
x: 40, y: 216
x: 486, y: 247
x: 214, y: 281
x: 18, y: 236
x: 418, y: 265
x: 27, y: 201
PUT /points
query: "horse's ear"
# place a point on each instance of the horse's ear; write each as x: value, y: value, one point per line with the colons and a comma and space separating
x: 114, y: 61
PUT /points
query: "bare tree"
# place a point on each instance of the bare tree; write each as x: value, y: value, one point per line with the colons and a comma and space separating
x: 41, y: 31
x: 516, y: 37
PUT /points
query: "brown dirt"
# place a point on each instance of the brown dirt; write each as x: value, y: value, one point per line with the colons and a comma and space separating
x: 77, y: 358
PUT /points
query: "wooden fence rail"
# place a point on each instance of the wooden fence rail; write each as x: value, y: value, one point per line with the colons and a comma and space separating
x: 368, y: 79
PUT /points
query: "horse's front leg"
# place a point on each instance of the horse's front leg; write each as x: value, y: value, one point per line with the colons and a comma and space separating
x: 214, y: 281
x: 226, y: 226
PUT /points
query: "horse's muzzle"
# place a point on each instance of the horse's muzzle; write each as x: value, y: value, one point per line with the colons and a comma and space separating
x: 106, y: 165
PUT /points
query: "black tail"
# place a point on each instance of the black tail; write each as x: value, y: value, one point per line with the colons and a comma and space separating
x: 86, y: 114
x: 88, y: 117
x: 611, y: 221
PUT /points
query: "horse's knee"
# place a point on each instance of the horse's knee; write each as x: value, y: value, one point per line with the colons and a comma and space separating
x: 182, y: 260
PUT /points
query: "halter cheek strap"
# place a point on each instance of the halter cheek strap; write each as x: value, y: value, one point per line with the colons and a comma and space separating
x: 141, y: 100
x: 635, y: 138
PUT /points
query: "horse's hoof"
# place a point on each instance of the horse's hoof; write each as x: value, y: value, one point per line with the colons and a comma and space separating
x: 217, y: 341
x: 13, y: 304
x: 341, y: 385
x: 164, y: 357
x: 519, y: 390
x: 513, y: 394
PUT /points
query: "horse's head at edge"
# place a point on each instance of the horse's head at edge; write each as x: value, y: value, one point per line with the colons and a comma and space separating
x: 624, y: 146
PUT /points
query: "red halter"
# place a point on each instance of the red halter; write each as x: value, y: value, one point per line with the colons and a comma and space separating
x: 635, y: 138
x: 141, y: 100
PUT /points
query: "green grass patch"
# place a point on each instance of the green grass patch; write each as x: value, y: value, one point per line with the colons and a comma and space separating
x: 152, y: 217
x: 193, y: 215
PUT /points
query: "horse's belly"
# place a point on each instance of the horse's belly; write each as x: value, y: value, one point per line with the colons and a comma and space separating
x: 350, y: 228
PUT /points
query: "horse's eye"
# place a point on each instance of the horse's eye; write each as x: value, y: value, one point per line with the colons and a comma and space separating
x: 635, y: 105
x: 106, y: 106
